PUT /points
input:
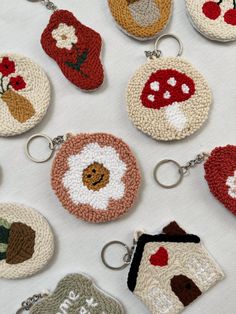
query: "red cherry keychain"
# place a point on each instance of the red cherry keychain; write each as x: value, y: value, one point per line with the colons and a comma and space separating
x: 220, y: 173
x: 75, y: 48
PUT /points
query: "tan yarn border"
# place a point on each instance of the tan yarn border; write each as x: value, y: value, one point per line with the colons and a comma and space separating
x: 44, y: 241
x: 152, y: 121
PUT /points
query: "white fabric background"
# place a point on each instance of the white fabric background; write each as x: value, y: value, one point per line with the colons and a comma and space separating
x: 78, y: 244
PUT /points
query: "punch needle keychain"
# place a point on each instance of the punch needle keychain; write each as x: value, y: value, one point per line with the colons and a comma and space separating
x: 75, y: 47
x: 220, y: 174
x: 168, y: 271
x: 95, y: 176
x: 74, y: 294
x: 215, y: 19
x: 167, y: 98
x: 26, y: 241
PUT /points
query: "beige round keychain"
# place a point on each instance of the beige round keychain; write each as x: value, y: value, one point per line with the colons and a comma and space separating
x: 167, y: 98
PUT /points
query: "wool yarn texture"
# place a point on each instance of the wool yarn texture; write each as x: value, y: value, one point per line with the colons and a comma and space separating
x: 220, y: 174
x: 141, y: 19
x: 215, y: 19
x: 168, y: 99
x: 24, y: 94
x: 77, y: 293
x: 26, y: 241
x: 76, y: 48
x: 96, y: 177
x: 171, y: 270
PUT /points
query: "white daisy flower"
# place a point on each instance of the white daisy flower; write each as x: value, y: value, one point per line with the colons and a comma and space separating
x: 65, y: 36
x: 231, y: 183
x: 95, y: 176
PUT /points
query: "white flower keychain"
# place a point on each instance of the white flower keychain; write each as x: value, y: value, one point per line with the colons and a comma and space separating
x: 75, y: 47
x: 167, y: 98
x: 220, y: 173
x: 168, y: 270
x: 95, y: 176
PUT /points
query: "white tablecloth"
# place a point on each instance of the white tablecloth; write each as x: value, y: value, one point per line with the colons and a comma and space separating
x: 78, y: 244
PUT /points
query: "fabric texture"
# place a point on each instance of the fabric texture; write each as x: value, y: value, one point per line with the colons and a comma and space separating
x: 26, y: 241
x: 24, y: 94
x: 168, y: 99
x: 141, y: 19
x: 171, y: 270
x: 220, y: 174
x: 77, y: 293
x: 215, y: 19
x: 96, y: 177
x: 76, y: 49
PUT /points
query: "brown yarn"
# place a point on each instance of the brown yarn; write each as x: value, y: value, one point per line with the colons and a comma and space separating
x: 20, y: 107
x: 173, y: 229
x: 96, y: 176
x: 21, y: 243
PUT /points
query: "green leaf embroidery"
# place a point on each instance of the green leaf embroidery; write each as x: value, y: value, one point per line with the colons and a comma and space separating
x: 81, y: 58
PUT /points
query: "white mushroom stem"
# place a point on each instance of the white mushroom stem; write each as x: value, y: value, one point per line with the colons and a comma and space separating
x: 175, y: 116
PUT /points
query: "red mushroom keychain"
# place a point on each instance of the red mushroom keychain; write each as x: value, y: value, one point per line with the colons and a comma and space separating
x: 220, y: 174
x: 75, y: 47
x: 167, y: 98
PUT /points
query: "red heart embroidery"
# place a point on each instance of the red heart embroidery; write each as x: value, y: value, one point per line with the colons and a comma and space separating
x: 160, y: 258
x: 220, y: 174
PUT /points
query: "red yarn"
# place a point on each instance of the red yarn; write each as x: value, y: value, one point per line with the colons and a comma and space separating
x: 218, y: 168
x: 211, y: 10
x: 160, y: 258
x: 81, y: 65
x: 173, y: 88
x: 230, y: 17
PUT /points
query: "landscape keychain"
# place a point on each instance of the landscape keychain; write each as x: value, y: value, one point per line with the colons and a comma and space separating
x: 74, y: 294
x: 75, y: 47
x: 168, y: 270
x: 24, y: 94
x: 167, y: 98
x: 95, y: 176
x: 141, y: 19
x: 220, y: 173
x: 26, y: 241
x: 215, y: 19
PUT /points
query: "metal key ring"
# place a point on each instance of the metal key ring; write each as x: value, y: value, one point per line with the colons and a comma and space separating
x: 126, y: 260
x: 27, y: 147
x: 180, y: 171
x: 181, y: 48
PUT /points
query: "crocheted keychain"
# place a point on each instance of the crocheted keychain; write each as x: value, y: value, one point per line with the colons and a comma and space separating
x: 75, y: 47
x: 24, y: 94
x: 141, y: 19
x: 26, y: 241
x: 95, y: 176
x: 220, y: 173
x: 215, y: 20
x: 167, y: 98
x: 168, y: 271
x: 74, y: 294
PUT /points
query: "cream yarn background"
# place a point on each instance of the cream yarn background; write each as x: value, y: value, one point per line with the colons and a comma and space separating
x: 154, y: 121
x: 191, y: 205
x: 37, y: 91
x: 214, y: 29
x: 44, y: 241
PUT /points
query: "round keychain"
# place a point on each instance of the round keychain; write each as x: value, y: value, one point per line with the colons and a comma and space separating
x: 95, y: 176
x: 167, y: 98
x: 24, y: 94
x: 220, y: 173
x: 74, y: 294
x: 168, y: 270
x: 26, y: 241
x: 75, y: 47
x: 141, y: 19
x: 215, y: 19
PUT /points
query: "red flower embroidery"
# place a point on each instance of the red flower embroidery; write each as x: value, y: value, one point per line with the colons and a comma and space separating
x: 17, y: 82
x: 7, y: 67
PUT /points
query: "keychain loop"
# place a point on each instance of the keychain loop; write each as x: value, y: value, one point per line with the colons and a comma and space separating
x: 180, y: 171
x: 126, y: 258
x: 158, y: 51
x: 50, y: 144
